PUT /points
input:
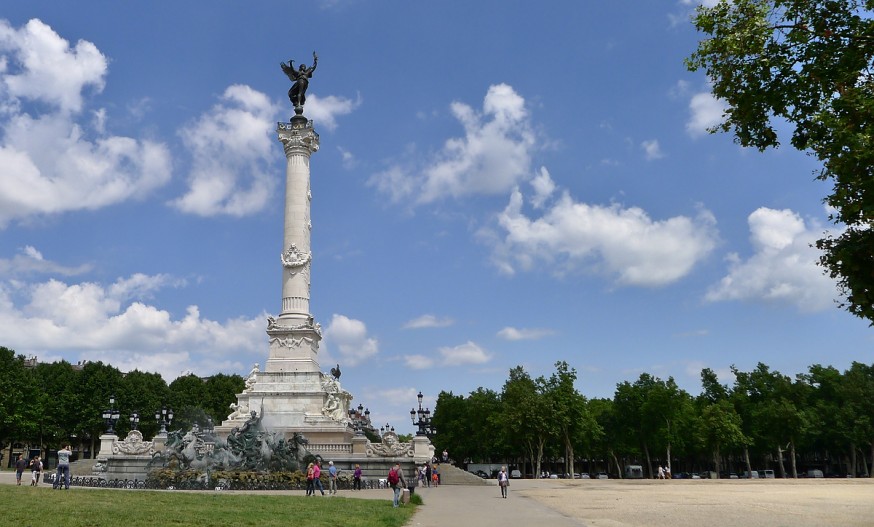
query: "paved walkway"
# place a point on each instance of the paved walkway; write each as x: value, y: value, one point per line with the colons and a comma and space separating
x: 482, y: 506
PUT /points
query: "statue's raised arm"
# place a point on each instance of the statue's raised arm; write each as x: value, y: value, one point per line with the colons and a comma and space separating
x: 300, y: 77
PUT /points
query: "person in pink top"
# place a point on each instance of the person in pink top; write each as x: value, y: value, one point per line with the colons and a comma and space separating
x: 317, y: 471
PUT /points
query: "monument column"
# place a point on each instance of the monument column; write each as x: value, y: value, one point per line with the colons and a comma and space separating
x: 294, y: 336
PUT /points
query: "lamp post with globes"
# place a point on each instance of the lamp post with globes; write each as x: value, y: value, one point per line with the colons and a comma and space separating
x: 424, y: 415
x: 134, y: 420
x: 164, y: 417
x: 111, y: 416
x: 360, y: 419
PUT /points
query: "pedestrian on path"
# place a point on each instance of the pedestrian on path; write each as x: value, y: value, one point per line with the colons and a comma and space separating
x: 62, y: 478
x: 20, y: 465
x: 356, y: 478
x: 35, y: 471
x: 317, y: 478
x: 332, y: 476
x: 503, y: 482
x: 310, y: 487
x: 396, y: 480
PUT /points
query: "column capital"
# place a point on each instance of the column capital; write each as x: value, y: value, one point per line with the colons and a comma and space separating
x: 298, y: 137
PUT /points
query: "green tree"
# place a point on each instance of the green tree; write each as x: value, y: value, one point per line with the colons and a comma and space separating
x: 220, y: 391
x: 20, y: 402
x: 187, y: 393
x: 525, y: 415
x: 143, y: 393
x: 807, y: 62
x: 568, y: 410
x: 56, y: 399
x: 97, y: 383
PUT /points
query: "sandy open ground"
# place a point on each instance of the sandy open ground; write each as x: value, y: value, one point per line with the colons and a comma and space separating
x: 704, y: 503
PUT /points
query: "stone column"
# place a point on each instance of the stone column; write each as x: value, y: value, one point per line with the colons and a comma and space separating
x: 300, y: 141
x: 295, y: 336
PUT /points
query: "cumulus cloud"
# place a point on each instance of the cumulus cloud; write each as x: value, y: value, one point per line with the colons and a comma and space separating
x: 113, y: 323
x: 467, y: 353
x: 348, y: 338
x: 429, y: 321
x: 491, y: 158
x: 232, y: 150
x: 511, y: 333
x: 624, y: 242
x: 706, y: 112
x: 325, y: 110
x: 783, y: 268
x: 652, y: 150
x: 57, y: 158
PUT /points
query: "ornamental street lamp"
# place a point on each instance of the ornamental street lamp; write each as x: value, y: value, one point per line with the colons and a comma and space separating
x: 111, y: 416
x: 386, y: 429
x: 134, y: 420
x: 164, y: 417
x: 360, y: 419
x: 424, y: 415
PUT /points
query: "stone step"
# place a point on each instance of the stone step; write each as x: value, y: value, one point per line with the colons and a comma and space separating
x: 450, y: 475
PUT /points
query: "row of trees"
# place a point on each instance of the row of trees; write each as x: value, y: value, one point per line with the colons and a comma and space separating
x: 821, y: 419
x: 46, y: 404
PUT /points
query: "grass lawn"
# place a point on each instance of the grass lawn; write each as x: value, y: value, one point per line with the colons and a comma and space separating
x: 39, y: 506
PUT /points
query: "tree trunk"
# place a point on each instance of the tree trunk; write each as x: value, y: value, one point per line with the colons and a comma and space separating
x: 851, y: 470
x: 780, y: 461
x: 668, y: 454
x: 871, y: 473
x: 648, y: 461
x: 569, y: 455
x: 792, y: 464
x: 747, y: 459
x: 864, y: 463
x: 618, y: 466
x: 716, y: 457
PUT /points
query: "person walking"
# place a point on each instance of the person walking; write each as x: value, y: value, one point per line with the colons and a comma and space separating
x: 503, y: 481
x: 317, y: 478
x: 35, y: 471
x: 428, y: 475
x: 332, y: 477
x: 396, y: 480
x: 356, y: 478
x: 20, y: 465
x: 310, y: 484
x: 63, y: 468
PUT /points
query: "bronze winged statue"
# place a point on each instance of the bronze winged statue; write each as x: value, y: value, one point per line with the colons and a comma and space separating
x: 300, y: 77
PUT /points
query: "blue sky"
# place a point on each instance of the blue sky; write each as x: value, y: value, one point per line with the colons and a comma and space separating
x: 497, y: 185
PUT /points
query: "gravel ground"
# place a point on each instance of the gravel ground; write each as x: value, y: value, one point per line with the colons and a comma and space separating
x: 710, y: 503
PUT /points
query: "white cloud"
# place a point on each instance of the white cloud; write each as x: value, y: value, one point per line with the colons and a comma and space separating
x: 45, y: 67
x: 783, y: 268
x: 60, y: 160
x: 29, y: 260
x: 652, y: 150
x: 324, y: 111
x: 348, y: 338
x: 429, y: 321
x: 232, y: 149
x: 707, y: 112
x: 90, y: 321
x: 511, y: 333
x: 467, y: 353
x: 418, y: 362
x: 543, y: 187
x: 619, y: 241
x: 491, y: 158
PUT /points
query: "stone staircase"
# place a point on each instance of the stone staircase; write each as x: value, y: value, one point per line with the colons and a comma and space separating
x: 450, y: 475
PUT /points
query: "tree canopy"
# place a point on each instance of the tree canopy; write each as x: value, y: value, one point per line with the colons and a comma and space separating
x: 808, y: 63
